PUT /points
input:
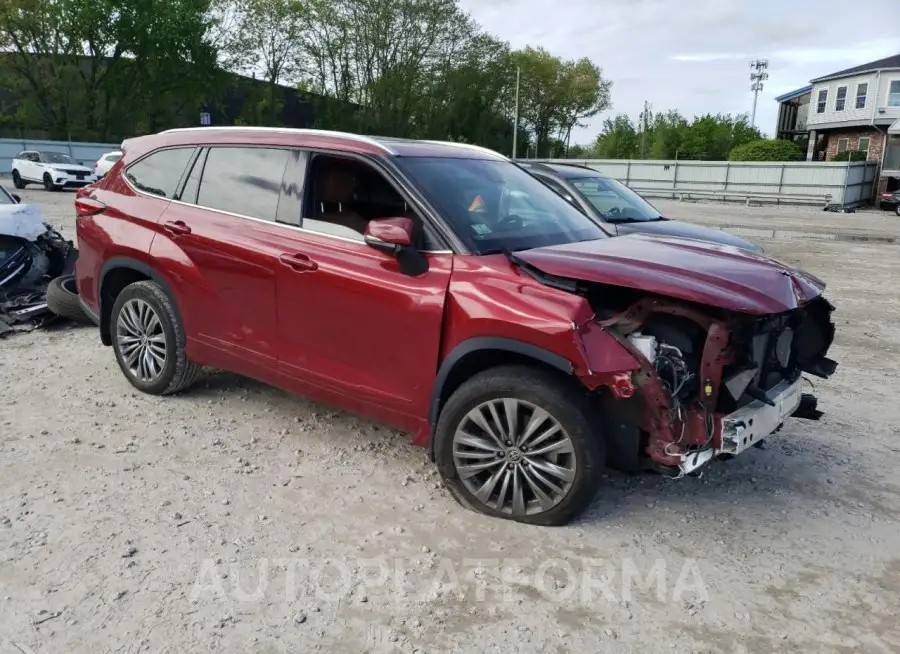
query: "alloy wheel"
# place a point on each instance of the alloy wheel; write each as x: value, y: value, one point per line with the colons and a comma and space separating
x: 514, y: 457
x: 141, y: 340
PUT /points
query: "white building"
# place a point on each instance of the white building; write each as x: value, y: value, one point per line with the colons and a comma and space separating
x: 853, y: 109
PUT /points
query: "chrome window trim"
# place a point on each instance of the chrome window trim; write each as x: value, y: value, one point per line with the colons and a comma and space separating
x: 359, y: 241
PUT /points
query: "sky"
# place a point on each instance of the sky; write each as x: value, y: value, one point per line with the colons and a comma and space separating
x: 693, y: 55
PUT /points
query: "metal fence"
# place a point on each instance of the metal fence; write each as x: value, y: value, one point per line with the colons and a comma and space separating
x: 86, y: 153
x: 823, y: 183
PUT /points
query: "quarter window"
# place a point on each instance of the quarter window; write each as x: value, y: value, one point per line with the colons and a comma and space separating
x: 862, y: 90
x: 894, y: 94
x: 822, y: 100
x: 841, y: 98
x: 159, y: 173
x: 245, y: 181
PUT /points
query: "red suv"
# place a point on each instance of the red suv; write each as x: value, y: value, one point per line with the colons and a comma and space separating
x: 441, y: 289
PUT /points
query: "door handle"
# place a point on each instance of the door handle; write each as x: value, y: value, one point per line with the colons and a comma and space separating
x: 299, y: 262
x: 177, y: 228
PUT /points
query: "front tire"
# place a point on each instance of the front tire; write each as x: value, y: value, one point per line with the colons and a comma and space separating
x: 17, y: 180
x: 897, y: 210
x: 48, y: 183
x: 518, y: 443
x: 149, y: 340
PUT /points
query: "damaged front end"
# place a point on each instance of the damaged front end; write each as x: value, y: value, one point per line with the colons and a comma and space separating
x: 720, y: 340
x: 714, y: 383
x: 31, y: 254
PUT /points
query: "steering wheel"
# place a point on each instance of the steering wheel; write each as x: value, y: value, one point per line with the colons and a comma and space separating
x: 511, y: 220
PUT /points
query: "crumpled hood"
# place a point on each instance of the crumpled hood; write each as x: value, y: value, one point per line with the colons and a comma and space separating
x: 715, y: 275
x: 22, y: 221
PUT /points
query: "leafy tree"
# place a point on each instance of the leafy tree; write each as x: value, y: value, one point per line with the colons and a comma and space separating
x: 270, y: 32
x: 618, y: 139
x: 672, y: 136
x: 93, y: 68
x: 767, y: 150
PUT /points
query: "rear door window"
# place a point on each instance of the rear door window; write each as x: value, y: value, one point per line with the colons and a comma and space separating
x: 159, y: 173
x: 244, y: 181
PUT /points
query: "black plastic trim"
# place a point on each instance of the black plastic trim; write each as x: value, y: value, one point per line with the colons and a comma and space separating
x: 89, y: 312
x: 483, y: 344
x: 117, y: 263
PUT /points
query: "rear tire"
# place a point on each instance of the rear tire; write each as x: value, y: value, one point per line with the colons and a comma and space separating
x: 62, y: 299
x: 149, y: 340
x: 17, y: 180
x: 529, y: 477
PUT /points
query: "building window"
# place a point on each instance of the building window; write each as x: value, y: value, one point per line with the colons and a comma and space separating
x: 842, y: 145
x: 863, y: 144
x: 820, y: 103
x: 862, y: 90
x: 841, y: 98
x: 894, y: 94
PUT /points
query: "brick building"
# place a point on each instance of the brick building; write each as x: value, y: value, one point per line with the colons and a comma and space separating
x: 857, y: 109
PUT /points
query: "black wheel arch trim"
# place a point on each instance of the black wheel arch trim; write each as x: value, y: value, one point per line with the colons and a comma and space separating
x: 118, y: 263
x: 483, y: 344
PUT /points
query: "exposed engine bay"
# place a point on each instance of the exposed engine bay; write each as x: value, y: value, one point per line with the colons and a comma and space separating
x: 714, y: 383
x: 31, y: 254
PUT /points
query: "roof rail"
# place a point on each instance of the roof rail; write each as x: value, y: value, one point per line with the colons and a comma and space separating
x: 320, y: 132
x: 468, y: 146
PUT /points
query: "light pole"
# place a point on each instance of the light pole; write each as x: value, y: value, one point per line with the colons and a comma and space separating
x: 758, y: 75
x: 516, y: 119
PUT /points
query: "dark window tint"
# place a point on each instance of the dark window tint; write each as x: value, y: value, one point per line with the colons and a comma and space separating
x: 245, y: 181
x: 192, y: 185
x: 476, y: 197
x: 160, y: 173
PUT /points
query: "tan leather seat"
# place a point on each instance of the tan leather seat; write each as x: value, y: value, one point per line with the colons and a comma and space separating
x: 334, y: 195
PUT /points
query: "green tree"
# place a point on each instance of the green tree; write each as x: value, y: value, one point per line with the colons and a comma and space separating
x: 270, y: 33
x: 767, y: 150
x: 618, y: 139
x: 93, y: 69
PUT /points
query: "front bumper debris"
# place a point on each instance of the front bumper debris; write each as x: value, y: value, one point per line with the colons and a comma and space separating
x: 757, y: 420
x: 748, y: 426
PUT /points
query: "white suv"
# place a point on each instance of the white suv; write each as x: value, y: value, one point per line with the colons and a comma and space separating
x: 54, y: 170
x: 105, y: 162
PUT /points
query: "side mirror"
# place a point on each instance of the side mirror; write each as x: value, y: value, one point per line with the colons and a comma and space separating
x: 394, y: 236
x: 389, y: 235
x: 16, y: 198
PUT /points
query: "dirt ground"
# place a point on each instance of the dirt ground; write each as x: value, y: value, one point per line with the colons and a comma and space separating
x: 235, y: 517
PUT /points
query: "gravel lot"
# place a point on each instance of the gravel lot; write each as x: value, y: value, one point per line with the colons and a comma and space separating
x: 235, y: 517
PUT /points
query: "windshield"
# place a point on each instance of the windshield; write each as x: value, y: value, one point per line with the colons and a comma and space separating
x: 56, y: 158
x: 614, y: 200
x: 495, y: 205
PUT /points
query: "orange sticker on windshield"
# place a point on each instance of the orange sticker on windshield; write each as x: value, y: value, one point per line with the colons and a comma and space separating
x: 477, y: 204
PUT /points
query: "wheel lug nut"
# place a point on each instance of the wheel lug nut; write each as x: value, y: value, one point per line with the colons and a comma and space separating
x: 508, y: 443
x: 512, y: 465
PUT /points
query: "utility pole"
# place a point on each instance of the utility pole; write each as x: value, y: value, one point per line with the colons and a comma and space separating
x: 758, y: 75
x: 516, y: 120
x: 645, y: 122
